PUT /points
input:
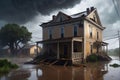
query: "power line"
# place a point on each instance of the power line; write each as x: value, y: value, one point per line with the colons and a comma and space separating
x: 110, y: 38
x: 117, y: 4
x: 114, y: 41
x: 111, y: 35
x: 115, y: 8
x: 119, y: 42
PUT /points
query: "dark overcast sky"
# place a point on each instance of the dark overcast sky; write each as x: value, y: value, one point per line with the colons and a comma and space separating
x: 22, y: 11
x: 32, y: 13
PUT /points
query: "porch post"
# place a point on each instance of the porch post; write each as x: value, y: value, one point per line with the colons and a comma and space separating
x: 37, y: 49
x: 58, y: 50
x: 48, y: 48
x: 82, y: 52
x: 71, y: 49
x: 107, y: 49
x: 103, y: 48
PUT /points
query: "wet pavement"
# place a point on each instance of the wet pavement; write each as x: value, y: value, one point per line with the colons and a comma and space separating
x: 93, y: 71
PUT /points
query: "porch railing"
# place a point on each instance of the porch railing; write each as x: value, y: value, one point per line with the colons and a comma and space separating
x: 77, y: 55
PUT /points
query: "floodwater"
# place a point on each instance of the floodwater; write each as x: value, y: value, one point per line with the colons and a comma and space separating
x: 93, y: 71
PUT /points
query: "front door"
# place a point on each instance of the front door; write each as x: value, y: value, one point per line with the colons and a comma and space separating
x: 65, y: 51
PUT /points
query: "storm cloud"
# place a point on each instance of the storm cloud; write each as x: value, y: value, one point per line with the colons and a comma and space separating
x: 108, y: 11
x: 22, y: 11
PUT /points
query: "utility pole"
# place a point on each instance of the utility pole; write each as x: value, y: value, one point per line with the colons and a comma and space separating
x: 119, y: 42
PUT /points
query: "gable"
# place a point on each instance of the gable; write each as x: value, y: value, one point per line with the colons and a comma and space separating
x: 94, y: 17
x: 61, y: 17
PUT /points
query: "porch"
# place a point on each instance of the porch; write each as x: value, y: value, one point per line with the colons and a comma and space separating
x: 102, y: 47
x: 64, y: 49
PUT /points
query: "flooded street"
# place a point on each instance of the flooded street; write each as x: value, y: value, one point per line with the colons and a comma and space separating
x: 113, y: 73
x: 93, y: 71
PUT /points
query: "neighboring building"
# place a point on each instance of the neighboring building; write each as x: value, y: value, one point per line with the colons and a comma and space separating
x: 4, y: 51
x: 30, y: 50
x: 73, y: 37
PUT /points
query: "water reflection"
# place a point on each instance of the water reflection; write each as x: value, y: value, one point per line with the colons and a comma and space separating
x: 93, y: 71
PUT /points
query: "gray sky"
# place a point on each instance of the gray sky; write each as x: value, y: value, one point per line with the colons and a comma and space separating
x: 36, y: 13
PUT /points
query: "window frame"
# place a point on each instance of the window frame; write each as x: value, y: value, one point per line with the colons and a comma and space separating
x: 94, y: 18
x: 75, y: 30
x: 50, y: 33
x: 91, y: 48
x: 90, y: 31
x: 97, y: 35
x: 62, y: 32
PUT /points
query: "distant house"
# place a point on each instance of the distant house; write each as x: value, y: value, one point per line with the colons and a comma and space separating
x: 74, y: 37
x: 4, y: 51
x: 30, y: 50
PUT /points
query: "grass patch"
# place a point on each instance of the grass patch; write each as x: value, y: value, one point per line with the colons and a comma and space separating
x: 6, y: 66
x: 115, y: 65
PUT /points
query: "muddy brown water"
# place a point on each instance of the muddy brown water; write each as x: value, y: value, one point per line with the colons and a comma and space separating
x: 93, y: 71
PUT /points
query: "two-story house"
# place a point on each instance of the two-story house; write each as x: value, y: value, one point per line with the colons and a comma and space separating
x: 73, y: 37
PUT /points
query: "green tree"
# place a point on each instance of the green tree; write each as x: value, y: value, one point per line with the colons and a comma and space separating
x: 13, y: 35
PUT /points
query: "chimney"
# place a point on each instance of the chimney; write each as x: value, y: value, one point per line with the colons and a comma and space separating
x: 88, y: 10
x: 92, y: 8
x: 53, y: 17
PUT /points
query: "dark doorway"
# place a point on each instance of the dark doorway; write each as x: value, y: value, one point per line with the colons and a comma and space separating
x: 91, y: 49
x: 97, y: 49
x: 65, y: 51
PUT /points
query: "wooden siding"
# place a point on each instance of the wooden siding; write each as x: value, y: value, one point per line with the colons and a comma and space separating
x: 56, y: 31
x: 93, y: 16
x: 90, y: 40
